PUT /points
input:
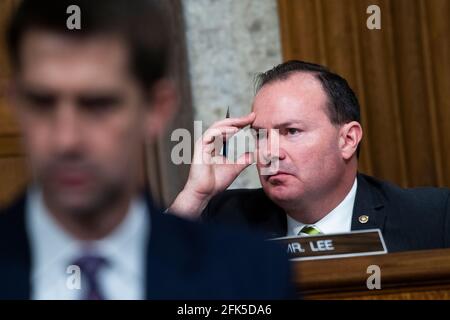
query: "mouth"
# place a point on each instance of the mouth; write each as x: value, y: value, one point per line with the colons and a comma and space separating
x: 72, y: 179
x: 278, y: 175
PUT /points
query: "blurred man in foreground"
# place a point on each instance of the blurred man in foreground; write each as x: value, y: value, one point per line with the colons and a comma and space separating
x: 310, y: 181
x: 86, y: 101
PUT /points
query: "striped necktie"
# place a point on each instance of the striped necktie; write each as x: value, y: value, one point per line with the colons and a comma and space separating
x: 309, y: 231
x: 90, y: 266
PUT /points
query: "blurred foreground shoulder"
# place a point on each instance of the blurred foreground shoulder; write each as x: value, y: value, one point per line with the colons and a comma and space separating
x: 230, y: 263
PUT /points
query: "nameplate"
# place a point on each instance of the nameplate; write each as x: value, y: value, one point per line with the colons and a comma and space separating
x: 339, y: 245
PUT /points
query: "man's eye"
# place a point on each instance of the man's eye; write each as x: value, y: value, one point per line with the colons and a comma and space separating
x: 99, y: 104
x: 292, y: 131
x: 40, y: 103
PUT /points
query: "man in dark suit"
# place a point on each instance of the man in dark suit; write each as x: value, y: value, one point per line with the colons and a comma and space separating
x: 183, y: 260
x: 402, y: 215
x: 308, y: 168
x: 86, y: 101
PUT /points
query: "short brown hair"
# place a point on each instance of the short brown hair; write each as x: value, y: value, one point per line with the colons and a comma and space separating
x: 142, y: 24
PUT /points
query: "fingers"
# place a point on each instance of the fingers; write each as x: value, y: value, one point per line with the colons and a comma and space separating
x: 219, y: 132
x: 239, y: 164
x: 245, y: 160
x: 211, y: 142
x: 227, y: 127
x: 240, y: 122
x: 211, y: 134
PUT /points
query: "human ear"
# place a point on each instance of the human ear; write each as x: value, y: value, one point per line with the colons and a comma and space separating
x: 161, y: 107
x: 349, y: 138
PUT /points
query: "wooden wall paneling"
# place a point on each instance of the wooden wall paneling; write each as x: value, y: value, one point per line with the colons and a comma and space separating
x: 413, y: 97
x: 7, y: 122
x: 6, y: 7
x: 13, y: 178
x: 405, y: 275
x: 10, y: 147
x: 365, y: 161
x: 429, y: 83
x: 401, y: 75
x: 343, y: 56
x: 298, y: 22
x: 13, y: 167
x: 436, y: 26
x: 381, y: 111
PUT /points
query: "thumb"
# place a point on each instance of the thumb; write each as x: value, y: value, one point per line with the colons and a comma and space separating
x: 244, y: 161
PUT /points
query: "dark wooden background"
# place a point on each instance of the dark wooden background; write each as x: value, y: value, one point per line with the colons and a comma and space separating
x: 401, y: 75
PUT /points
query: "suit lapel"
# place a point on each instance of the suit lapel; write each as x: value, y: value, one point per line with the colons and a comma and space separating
x: 15, y: 255
x: 279, y: 226
x: 368, y: 211
x: 169, y: 258
x: 275, y: 222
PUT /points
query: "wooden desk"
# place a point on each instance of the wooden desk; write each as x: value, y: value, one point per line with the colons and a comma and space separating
x: 405, y: 275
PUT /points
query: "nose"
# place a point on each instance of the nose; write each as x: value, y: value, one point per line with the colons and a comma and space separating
x: 269, y: 148
x: 66, y: 129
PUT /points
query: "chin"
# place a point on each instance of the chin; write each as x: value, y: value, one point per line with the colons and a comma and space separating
x: 78, y: 201
x: 281, y: 193
x: 83, y: 199
x: 76, y: 205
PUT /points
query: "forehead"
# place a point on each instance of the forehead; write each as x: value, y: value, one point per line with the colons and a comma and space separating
x: 300, y: 97
x: 58, y: 60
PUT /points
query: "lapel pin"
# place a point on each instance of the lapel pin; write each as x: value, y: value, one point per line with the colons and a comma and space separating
x: 363, y: 219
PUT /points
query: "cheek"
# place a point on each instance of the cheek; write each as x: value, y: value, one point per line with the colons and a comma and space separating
x: 36, y: 139
x: 314, y: 155
x: 115, y: 141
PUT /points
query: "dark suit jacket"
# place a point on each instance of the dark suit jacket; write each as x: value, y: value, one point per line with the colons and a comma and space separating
x: 185, y: 260
x: 410, y: 219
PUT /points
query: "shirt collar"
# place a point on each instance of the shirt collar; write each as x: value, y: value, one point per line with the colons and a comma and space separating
x: 54, y: 249
x: 337, y: 221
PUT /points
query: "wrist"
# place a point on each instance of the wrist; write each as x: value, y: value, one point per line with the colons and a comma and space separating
x: 189, y: 204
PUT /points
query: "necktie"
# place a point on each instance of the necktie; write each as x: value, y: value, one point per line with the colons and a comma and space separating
x: 309, y: 231
x: 90, y: 265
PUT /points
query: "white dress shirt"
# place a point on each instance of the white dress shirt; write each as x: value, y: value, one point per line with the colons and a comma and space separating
x: 53, y: 251
x: 339, y: 220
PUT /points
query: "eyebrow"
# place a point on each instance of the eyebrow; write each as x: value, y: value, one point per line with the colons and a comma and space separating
x: 282, y: 124
x: 94, y: 96
x: 99, y: 96
x: 34, y: 91
x: 37, y: 96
